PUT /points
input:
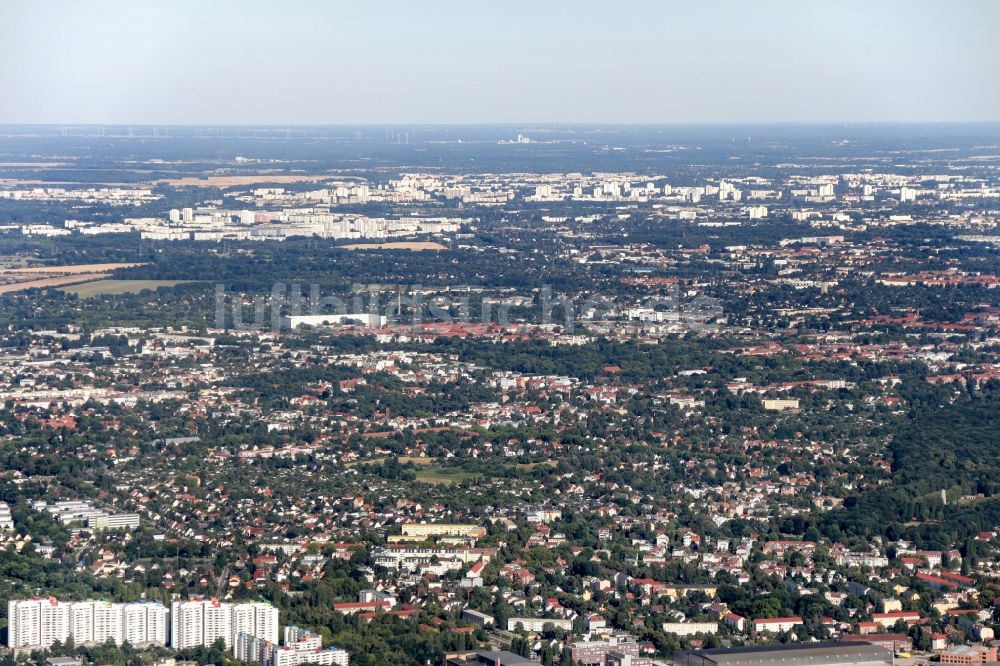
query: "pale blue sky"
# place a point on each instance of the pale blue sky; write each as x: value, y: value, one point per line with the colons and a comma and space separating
x: 471, y: 61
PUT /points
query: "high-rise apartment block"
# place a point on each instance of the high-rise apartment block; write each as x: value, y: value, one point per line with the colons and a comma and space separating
x: 39, y: 623
x: 301, y: 647
x: 202, y: 622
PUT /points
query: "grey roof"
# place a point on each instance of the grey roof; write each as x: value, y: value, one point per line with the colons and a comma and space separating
x: 796, y: 654
x: 504, y: 658
x: 178, y: 440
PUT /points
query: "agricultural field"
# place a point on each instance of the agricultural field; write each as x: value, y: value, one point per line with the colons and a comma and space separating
x: 55, y: 281
x: 75, y: 269
x: 111, y: 287
x: 38, y: 277
x: 416, y: 246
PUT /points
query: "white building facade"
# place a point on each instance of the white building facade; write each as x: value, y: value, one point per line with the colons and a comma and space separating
x: 301, y: 647
x: 204, y: 621
x: 39, y: 623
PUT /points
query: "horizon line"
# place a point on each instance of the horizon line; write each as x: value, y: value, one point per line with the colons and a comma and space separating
x: 512, y: 123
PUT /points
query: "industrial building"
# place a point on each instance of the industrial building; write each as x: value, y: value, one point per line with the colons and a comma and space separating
x: 831, y: 653
x: 489, y: 658
x: 365, y: 319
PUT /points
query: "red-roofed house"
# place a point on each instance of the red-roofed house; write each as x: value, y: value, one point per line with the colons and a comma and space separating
x: 889, y: 619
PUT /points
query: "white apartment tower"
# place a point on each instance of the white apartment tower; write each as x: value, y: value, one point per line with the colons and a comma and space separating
x: 145, y: 623
x: 187, y: 622
x: 24, y: 623
x: 82, y: 621
x: 38, y: 623
x: 53, y: 621
x: 108, y: 622
x: 217, y: 623
x: 202, y: 622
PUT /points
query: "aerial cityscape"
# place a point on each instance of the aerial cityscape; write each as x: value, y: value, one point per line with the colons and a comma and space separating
x: 428, y: 389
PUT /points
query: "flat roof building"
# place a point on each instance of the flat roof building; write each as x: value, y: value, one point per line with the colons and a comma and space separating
x: 538, y: 624
x: 490, y: 658
x: 421, y: 531
x: 477, y: 618
x: 364, y: 318
x: 831, y: 653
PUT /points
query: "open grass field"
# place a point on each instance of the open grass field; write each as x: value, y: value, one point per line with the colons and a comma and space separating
x: 432, y: 470
x: 417, y: 460
x: 437, y: 474
x: 547, y: 463
x: 437, y: 471
x: 443, y: 475
x: 402, y: 245
x: 104, y: 287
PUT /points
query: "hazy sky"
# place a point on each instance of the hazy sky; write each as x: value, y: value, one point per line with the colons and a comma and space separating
x: 429, y: 61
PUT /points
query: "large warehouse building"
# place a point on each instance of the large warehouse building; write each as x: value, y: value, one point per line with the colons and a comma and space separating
x: 832, y: 653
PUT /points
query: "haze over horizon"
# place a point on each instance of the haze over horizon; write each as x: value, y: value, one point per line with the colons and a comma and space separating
x: 499, y: 332
x: 312, y: 63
